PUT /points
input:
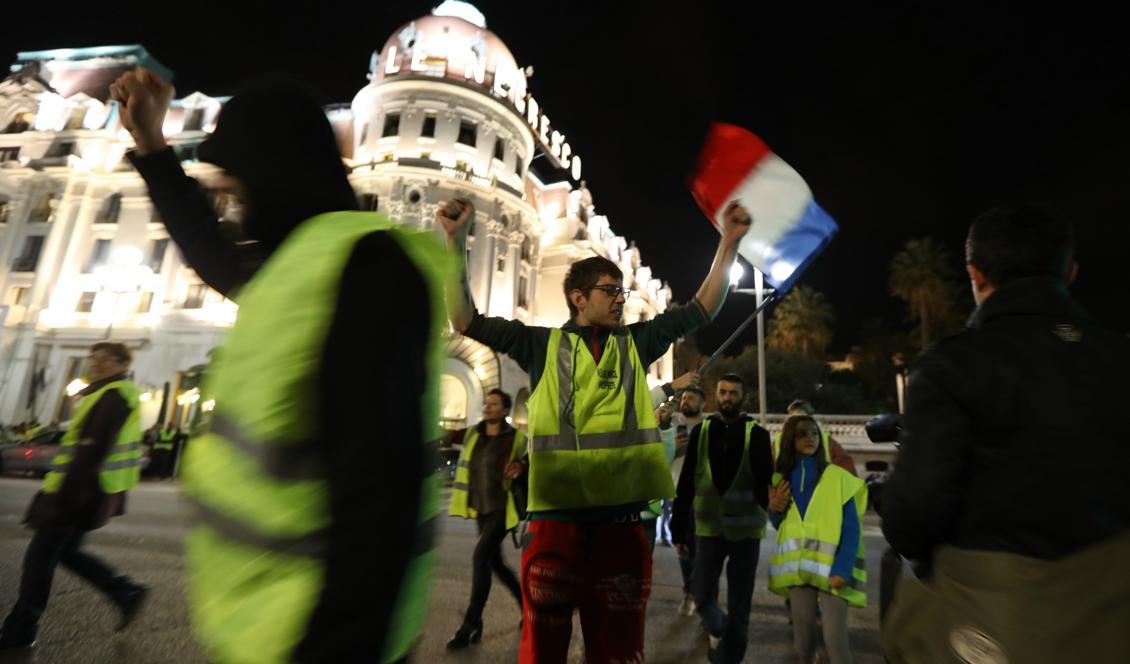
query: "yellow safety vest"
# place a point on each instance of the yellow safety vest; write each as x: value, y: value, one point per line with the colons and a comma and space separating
x: 256, y: 555
x: 121, y: 469
x: 460, y: 490
x: 165, y: 440
x: 806, y: 548
x: 735, y: 514
x: 594, y: 440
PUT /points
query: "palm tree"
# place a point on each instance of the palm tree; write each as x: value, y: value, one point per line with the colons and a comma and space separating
x: 922, y: 275
x: 802, y: 323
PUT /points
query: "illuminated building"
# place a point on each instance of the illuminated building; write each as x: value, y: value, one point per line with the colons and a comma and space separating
x: 447, y: 111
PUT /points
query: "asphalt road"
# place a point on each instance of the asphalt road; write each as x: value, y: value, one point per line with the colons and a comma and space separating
x: 146, y: 544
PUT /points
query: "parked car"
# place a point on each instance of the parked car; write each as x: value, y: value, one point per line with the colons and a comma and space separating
x: 33, y: 456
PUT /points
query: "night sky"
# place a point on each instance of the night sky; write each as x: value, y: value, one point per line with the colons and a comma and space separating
x: 906, y: 121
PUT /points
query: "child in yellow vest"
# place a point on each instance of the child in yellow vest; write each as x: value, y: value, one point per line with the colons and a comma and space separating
x: 816, y: 508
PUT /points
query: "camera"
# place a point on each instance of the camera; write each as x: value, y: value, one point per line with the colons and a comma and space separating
x: 881, y: 429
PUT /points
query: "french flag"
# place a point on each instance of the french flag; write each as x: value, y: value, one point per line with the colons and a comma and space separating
x: 789, y: 229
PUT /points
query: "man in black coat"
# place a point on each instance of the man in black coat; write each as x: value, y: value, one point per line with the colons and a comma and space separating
x: 1014, y: 452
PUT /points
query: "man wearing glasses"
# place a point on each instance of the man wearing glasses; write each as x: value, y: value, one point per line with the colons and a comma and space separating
x: 596, y: 459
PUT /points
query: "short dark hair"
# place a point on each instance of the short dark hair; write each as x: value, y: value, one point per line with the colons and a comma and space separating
x: 585, y: 273
x: 118, y: 351
x: 506, y: 402
x: 1015, y: 241
x: 697, y: 389
x: 732, y: 378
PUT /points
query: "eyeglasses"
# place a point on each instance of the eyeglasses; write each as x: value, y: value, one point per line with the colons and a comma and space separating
x: 610, y: 290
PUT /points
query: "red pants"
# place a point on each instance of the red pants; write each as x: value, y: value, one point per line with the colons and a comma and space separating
x: 601, y: 569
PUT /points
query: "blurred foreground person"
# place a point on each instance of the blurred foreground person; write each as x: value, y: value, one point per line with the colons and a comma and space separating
x: 312, y: 527
x: 99, y: 462
x: 1010, y: 488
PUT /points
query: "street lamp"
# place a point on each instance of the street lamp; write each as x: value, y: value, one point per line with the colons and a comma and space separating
x: 759, y: 291
x: 125, y: 274
x: 736, y: 273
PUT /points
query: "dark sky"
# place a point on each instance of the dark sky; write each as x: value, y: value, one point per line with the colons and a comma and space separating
x: 905, y: 120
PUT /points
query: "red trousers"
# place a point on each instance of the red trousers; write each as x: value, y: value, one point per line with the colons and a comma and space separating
x: 601, y: 569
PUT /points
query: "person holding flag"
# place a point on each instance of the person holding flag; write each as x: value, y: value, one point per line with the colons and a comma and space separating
x: 791, y: 229
x: 596, y: 459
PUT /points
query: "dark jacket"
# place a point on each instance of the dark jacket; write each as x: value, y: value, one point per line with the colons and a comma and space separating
x: 80, y: 501
x: 1014, y: 439
x: 485, y: 499
x: 726, y: 444
x: 375, y: 349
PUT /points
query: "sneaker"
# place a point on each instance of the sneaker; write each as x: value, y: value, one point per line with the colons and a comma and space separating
x: 688, y: 607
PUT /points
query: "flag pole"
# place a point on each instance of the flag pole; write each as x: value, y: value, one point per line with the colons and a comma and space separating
x: 741, y: 328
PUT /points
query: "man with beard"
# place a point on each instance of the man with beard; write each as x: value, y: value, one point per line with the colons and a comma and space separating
x: 726, y: 476
x: 690, y: 415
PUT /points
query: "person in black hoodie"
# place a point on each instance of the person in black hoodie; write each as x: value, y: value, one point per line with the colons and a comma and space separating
x: 280, y: 159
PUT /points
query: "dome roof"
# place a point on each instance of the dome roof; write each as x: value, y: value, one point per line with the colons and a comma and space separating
x: 452, y: 43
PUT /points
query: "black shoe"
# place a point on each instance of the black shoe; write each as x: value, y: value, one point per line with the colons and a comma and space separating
x: 129, y: 599
x: 466, y: 635
x: 18, y: 632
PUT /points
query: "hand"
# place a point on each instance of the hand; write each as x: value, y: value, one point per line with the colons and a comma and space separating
x: 682, y: 550
x: 779, y: 497
x: 514, y: 469
x: 837, y: 582
x: 686, y: 380
x: 144, y: 98
x: 736, y: 222
x: 454, y: 215
x: 681, y: 440
x: 663, y: 414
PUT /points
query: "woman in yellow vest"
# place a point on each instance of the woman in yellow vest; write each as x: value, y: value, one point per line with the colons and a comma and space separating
x: 99, y: 460
x: 494, y: 455
x: 816, y: 508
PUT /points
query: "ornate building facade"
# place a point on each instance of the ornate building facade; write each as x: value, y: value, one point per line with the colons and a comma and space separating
x: 446, y: 112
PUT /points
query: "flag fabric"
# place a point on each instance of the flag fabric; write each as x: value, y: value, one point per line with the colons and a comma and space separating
x: 789, y: 229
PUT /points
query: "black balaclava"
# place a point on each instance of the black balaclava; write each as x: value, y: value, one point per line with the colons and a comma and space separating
x: 275, y: 138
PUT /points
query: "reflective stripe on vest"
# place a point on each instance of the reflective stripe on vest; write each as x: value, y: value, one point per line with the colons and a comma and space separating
x: 736, y: 514
x: 594, y: 440
x: 461, y: 487
x: 806, y: 548
x: 165, y: 440
x: 257, y: 480
x: 120, y: 469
